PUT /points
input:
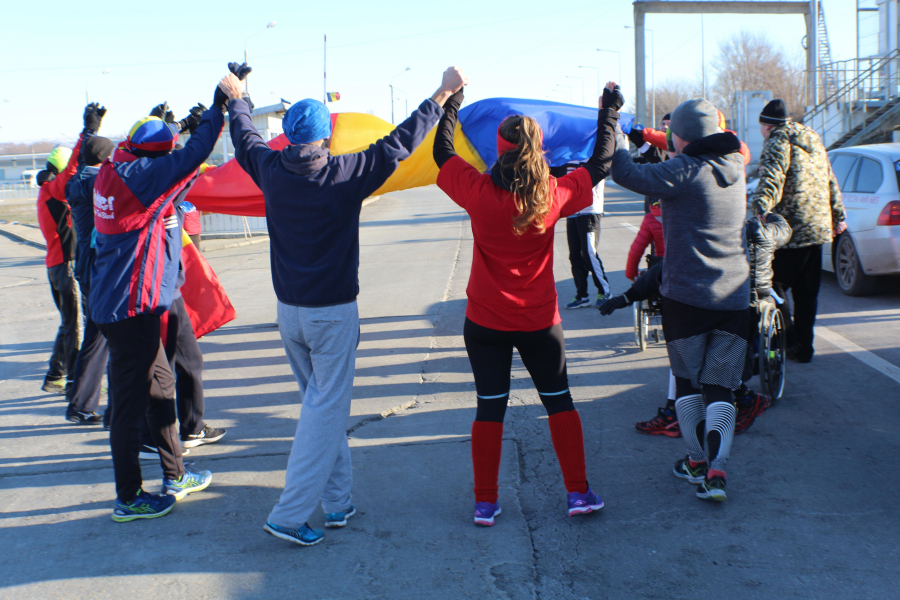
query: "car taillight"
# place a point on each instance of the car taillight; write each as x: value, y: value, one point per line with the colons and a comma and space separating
x: 890, y: 215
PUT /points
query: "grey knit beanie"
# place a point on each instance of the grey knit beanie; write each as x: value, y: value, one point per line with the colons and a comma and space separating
x: 694, y: 119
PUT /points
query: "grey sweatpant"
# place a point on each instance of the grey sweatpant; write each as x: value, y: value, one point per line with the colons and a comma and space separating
x: 320, y: 344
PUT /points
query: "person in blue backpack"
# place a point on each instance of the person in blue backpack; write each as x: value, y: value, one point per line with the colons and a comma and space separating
x: 133, y: 281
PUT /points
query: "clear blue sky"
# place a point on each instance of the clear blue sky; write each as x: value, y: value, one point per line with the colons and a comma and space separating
x: 55, y: 51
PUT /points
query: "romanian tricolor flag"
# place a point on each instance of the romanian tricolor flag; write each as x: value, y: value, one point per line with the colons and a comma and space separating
x: 569, y: 134
x: 333, y: 96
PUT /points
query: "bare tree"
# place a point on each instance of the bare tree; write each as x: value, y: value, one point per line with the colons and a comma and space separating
x: 669, y: 95
x: 750, y: 62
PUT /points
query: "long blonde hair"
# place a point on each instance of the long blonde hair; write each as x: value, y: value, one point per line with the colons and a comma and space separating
x: 531, y: 175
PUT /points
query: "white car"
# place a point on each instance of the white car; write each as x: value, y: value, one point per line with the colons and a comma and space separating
x: 868, y: 177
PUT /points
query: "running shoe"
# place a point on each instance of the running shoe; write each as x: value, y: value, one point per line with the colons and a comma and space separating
x: 56, y: 386
x: 209, y: 435
x: 149, y: 452
x: 190, y: 482
x: 684, y: 470
x: 485, y: 513
x: 144, y: 506
x: 339, y: 519
x: 579, y: 303
x: 749, y: 409
x: 601, y: 298
x: 664, y: 423
x: 712, y: 489
x: 305, y: 536
x: 73, y: 415
x: 582, y: 504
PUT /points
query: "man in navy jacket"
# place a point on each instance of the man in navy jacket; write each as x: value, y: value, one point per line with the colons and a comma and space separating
x: 313, y: 201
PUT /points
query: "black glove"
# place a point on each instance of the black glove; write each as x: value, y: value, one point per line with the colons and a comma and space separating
x: 93, y: 115
x: 246, y: 98
x: 614, y: 99
x: 239, y: 70
x: 160, y: 110
x: 636, y: 135
x: 614, y: 303
x: 192, y: 121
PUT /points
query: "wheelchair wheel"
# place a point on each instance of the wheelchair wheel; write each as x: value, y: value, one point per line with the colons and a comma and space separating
x: 772, y: 346
x: 641, y: 325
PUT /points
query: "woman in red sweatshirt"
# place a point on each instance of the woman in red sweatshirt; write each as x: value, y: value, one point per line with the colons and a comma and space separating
x: 512, y: 292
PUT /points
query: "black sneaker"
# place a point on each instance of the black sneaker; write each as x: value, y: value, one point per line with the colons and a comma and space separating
x: 56, y: 386
x: 73, y: 415
x: 149, y: 452
x: 209, y: 435
x: 712, y: 489
x: 684, y: 470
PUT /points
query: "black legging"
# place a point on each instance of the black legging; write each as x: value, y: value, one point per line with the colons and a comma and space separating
x: 544, y: 354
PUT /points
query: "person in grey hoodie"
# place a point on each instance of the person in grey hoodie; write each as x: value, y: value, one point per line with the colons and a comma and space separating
x: 313, y: 200
x: 705, y: 283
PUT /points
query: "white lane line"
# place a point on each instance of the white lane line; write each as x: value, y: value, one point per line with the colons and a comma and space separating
x: 860, y: 353
x: 629, y: 226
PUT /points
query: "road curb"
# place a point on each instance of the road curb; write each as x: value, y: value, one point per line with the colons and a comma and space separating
x: 18, y: 238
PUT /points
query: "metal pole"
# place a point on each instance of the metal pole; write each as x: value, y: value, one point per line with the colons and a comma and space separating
x: 325, y: 69
x: 703, y: 52
x: 640, y: 66
x: 653, y: 73
x: 247, y: 78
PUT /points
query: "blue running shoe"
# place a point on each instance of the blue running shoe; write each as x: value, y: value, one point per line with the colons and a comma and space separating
x: 339, y: 519
x: 601, y: 298
x: 305, y: 536
x: 144, y: 506
x: 190, y: 482
x: 485, y: 513
x: 579, y: 303
x: 582, y: 504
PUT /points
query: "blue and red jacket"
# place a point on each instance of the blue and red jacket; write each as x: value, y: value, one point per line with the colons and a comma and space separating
x: 138, y: 237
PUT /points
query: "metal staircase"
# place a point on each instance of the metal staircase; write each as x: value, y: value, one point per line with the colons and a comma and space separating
x: 829, y: 80
x: 871, y: 125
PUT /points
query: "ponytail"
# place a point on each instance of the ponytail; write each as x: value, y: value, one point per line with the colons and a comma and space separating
x: 531, y: 175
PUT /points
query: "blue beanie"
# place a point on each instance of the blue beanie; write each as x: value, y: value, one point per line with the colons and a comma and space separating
x: 307, y: 121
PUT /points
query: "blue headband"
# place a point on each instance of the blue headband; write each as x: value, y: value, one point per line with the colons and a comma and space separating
x: 307, y: 121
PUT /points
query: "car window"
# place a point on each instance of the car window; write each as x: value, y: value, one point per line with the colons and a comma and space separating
x: 870, y: 177
x: 841, y: 165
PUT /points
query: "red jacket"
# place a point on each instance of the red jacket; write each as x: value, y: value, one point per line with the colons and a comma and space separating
x: 54, y: 216
x: 511, y: 285
x: 651, y: 231
x: 657, y: 138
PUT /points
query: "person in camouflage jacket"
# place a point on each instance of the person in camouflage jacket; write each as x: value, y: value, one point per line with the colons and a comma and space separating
x: 796, y: 182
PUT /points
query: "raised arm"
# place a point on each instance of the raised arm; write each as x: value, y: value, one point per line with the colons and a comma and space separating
x: 443, y: 137
x: 250, y: 149
x: 600, y: 162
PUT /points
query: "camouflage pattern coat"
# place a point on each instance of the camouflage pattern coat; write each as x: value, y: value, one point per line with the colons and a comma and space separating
x: 795, y: 181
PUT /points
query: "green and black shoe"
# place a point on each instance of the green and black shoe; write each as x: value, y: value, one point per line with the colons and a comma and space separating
x: 712, y: 489
x: 684, y: 470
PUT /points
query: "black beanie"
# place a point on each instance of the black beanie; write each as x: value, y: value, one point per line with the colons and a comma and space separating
x: 96, y: 149
x: 668, y: 117
x: 775, y: 113
x: 45, y: 176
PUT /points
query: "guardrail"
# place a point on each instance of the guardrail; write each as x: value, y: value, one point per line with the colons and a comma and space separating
x: 17, y: 191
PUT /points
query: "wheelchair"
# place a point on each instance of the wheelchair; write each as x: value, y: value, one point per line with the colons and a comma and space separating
x: 648, y: 315
x: 769, y: 345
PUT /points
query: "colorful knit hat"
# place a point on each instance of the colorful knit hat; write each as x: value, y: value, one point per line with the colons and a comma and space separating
x: 151, y: 134
x: 59, y: 158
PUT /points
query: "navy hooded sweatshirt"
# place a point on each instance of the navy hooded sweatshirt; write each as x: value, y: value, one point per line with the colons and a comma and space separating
x: 313, y: 201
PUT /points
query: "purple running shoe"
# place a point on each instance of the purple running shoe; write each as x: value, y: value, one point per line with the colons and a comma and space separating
x: 582, y: 504
x: 485, y: 513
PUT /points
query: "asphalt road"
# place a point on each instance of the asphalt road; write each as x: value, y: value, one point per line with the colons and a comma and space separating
x: 812, y: 486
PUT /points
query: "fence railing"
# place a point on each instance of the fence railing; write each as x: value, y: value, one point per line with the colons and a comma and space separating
x: 17, y: 191
x: 860, y: 84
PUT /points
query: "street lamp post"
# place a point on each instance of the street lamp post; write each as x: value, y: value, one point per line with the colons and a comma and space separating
x: 391, y: 85
x: 619, y: 55
x: 269, y: 25
x: 568, y: 87
x: 652, y: 72
x: 405, y: 100
x: 598, y: 76
x: 582, y: 85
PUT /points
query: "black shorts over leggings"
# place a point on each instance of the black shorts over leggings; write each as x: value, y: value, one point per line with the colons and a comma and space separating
x: 544, y: 354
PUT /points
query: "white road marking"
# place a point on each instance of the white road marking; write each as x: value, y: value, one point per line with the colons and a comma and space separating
x: 860, y: 353
x: 629, y: 226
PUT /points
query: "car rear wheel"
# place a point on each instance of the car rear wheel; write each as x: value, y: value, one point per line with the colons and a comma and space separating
x: 849, y: 271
